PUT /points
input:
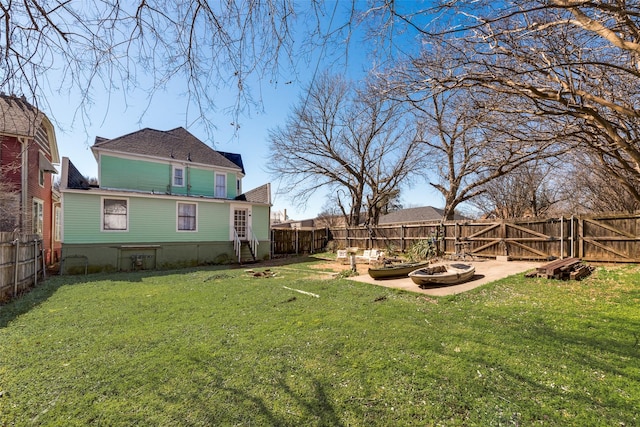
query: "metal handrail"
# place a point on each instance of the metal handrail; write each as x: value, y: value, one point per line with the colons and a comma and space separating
x: 237, y: 245
x: 254, y: 242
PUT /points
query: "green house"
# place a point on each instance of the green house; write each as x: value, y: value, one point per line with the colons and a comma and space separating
x: 165, y: 199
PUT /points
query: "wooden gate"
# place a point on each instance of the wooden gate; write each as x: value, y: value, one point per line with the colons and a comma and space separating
x: 523, y: 239
x: 612, y: 238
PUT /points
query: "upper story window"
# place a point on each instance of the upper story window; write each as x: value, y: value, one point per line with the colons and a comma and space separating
x: 221, y: 185
x: 115, y: 214
x: 187, y: 217
x: 178, y: 176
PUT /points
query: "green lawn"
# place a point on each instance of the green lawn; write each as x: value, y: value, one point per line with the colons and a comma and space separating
x: 221, y: 347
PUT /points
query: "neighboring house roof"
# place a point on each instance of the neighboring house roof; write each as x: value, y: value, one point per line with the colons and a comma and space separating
x: 289, y: 224
x: 257, y: 195
x: 176, y: 144
x: 75, y: 179
x: 413, y: 215
x: 18, y: 117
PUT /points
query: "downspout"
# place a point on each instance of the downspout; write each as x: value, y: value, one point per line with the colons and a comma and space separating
x: 24, y: 187
x: 188, y: 173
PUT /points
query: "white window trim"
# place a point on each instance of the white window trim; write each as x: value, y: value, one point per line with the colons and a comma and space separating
x: 57, y: 226
x: 215, y: 185
x: 102, y: 199
x: 33, y: 217
x: 178, y: 217
x: 249, y: 224
x: 173, y: 176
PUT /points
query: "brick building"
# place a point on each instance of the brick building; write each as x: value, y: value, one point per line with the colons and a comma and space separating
x: 28, y: 150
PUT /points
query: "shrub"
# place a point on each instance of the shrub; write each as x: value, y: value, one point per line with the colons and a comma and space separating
x: 423, y: 249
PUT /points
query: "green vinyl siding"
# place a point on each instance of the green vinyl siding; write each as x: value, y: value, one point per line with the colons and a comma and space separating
x: 201, y: 181
x: 150, y: 220
x: 81, y: 216
x: 231, y: 186
x: 260, y: 222
x: 154, y: 177
x: 138, y: 175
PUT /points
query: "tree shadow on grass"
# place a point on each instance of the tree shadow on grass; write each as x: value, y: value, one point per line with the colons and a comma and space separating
x: 245, y: 406
x: 29, y: 300
x: 41, y: 293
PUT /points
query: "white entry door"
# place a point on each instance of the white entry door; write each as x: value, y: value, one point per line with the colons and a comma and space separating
x: 240, y: 222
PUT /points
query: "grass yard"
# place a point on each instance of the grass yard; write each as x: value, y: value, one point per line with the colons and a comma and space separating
x: 217, y: 346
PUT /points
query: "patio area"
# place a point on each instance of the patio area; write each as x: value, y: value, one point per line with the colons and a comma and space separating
x: 486, y: 271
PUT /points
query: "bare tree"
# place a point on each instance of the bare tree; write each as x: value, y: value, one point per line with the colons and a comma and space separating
x: 9, y: 204
x: 532, y: 190
x: 594, y: 187
x: 468, y: 144
x: 147, y: 45
x: 353, y: 142
x: 576, y: 61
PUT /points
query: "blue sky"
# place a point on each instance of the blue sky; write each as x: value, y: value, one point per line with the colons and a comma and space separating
x: 118, y: 113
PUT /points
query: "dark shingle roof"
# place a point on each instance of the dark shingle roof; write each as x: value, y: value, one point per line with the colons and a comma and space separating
x: 260, y: 194
x: 18, y: 117
x: 412, y: 215
x: 75, y: 179
x: 176, y: 144
x: 235, y: 158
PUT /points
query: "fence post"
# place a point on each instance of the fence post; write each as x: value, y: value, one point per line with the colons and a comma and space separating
x: 580, y: 238
x: 15, y: 268
x: 35, y: 262
x: 44, y: 261
x: 561, y: 236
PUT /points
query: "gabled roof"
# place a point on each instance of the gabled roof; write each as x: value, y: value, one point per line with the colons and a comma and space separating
x: 413, y: 215
x: 18, y: 117
x: 260, y: 194
x: 176, y: 144
x: 235, y: 158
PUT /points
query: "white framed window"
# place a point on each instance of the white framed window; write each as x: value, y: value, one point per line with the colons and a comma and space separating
x: 115, y: 214
x: 57, y: 221
x: 38, y: 216
x: 221, y: 186
x: 187, y: 216
x: 178, y: 176
x: 41, y: 178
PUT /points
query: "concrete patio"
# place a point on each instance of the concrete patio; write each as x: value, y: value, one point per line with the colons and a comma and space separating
x: 486, y: 271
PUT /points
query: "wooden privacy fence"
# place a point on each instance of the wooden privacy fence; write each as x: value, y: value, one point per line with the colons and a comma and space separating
x: 604, y: 238
x: 298, y: 241
x: 21, y: 263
